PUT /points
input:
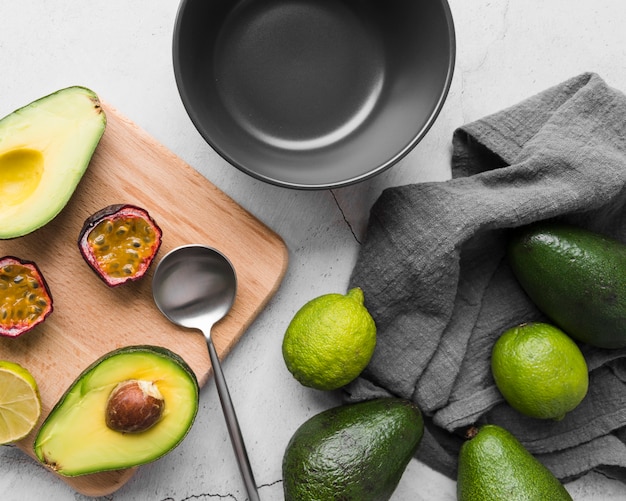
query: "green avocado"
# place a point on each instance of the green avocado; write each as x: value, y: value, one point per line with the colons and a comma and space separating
x: 354, y: 452
x: 576, y: 277
x: 495, y: 466
x: 130, y: 407
x: 45, y: 148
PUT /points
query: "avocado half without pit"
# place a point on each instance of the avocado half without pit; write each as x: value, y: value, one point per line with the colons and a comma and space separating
x: 45, y: 149
x: 119, y: 242
x: 130, y: 407
x: 25, y: 299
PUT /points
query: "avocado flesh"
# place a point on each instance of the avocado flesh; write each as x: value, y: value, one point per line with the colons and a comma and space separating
x: 494, y: 465
x: 75, y: 440
x: 576, y: 277
x: 45, y: 148
x: 354, y: 452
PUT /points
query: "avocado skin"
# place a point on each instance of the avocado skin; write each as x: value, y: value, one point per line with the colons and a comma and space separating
x: 354, y: 452
x: 495, y: 466
x: 576, y: 277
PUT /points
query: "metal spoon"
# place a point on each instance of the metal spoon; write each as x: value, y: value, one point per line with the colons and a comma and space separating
x: 194, y: 286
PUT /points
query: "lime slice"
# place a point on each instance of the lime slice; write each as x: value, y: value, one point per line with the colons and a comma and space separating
x: 20, y: 405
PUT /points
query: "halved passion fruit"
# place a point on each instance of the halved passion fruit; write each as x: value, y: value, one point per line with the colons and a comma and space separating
x: 25, y: 299
x: 119, y: 242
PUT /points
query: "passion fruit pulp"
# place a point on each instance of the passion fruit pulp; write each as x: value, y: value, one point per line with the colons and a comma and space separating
x: 25, y: 299
x: 119, y: 242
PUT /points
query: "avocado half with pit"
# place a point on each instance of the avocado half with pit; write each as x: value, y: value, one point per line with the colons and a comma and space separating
x: 45, y: 148
x: 130, y: 407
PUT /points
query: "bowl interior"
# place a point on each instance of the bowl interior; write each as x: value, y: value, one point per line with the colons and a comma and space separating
x: 313, y: 93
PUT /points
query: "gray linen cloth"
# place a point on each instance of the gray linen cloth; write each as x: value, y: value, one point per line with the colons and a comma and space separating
x: 437, y: 282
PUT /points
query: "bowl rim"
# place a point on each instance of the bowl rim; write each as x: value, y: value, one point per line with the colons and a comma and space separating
x: 372, y: 172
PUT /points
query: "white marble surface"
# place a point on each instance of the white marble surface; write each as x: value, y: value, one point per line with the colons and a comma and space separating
x: 507, y: 50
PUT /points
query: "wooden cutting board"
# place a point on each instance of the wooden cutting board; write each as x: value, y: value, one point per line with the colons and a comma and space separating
x: 91, y: 319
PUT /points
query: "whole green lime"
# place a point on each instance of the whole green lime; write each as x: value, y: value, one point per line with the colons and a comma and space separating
x: 330, y: 340
x: 539, y: 370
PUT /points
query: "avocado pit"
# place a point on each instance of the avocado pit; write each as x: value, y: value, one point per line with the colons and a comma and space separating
x: 134, y: 406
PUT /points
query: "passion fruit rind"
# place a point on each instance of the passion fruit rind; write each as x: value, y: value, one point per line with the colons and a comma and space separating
x: 25, y: 298
x: 119, y: 243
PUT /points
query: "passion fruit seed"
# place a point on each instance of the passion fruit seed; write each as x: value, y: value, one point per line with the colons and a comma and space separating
x: 134, y: 406
x: 24, y: 298
x: 117, y: 254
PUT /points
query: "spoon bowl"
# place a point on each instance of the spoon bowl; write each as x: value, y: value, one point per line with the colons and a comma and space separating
x: 194, y: 286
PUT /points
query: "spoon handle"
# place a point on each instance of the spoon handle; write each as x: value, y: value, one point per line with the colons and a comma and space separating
x: 233, y: 424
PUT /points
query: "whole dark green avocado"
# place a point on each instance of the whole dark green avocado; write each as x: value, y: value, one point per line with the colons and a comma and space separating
x: 495, y: 466
x: 354, y: 452
x: 576, y: 277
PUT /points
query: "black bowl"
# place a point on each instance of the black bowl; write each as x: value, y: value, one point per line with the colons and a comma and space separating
x: 313, y: 94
